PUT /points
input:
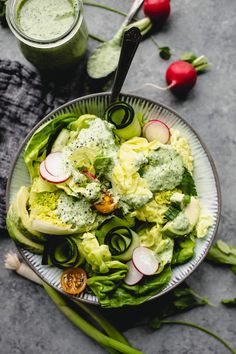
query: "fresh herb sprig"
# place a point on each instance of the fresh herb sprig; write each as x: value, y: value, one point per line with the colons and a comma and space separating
x: 229, y: 302
x: 187, y: 184
x: 184, y: 299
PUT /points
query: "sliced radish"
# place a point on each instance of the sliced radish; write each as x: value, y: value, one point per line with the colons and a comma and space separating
x: 55, y: 165
x: 89, y: 175
x: 145, y: 261
x: 49, y: 177
x: 133, y: 276
x: 156, y: 130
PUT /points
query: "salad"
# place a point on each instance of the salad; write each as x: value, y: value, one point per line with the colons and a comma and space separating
x: 112, y: 202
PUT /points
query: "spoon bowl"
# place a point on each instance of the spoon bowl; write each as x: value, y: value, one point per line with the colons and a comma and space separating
x: 104, y: 60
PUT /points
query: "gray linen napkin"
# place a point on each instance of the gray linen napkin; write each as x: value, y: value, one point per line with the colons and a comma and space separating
x: 25, y: 98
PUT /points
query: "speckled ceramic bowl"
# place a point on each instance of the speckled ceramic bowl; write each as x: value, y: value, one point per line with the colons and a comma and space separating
x: 205, y: 176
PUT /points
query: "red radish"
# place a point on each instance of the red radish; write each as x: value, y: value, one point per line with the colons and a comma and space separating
x: 89, y: 175
x: 181, y: 76
x: 54, y: 164
x: 49, y: 177
x: 145, y: 261
x: 156, y: 130
x: 133, y: 276
x: 157, y: 10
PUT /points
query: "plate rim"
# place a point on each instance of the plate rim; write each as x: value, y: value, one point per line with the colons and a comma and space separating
x: 100, y: 94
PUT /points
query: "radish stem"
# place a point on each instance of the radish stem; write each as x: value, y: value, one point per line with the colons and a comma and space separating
x: 200, y: 328
x: 97, y: 38
x: 112, y: 9
x: 149, y: 84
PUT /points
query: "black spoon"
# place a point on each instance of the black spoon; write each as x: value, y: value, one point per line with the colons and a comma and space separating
x: 130, y: 43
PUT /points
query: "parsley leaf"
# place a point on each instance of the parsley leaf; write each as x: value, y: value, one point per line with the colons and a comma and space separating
x: 187, y: 185
x: 165, y: 53
x: 182, y: 298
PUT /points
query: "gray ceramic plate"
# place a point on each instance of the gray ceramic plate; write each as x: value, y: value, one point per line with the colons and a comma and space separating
x: 205, y: 176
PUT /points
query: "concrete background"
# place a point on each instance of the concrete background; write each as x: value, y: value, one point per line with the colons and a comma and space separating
x: 29, y: 321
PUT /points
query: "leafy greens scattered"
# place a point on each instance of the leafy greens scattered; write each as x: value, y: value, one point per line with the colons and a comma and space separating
x: 183, y: 298
x: 229, y: 302
x: 222, y: 253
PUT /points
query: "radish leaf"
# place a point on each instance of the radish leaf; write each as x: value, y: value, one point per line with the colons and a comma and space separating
x: 165, y: 53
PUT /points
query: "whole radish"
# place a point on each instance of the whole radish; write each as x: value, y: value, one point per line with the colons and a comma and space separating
x: 157, y: 10
x: 181, y: 76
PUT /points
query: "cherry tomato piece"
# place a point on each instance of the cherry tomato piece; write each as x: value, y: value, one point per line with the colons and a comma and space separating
x: 73, y: 280
x: 106, y: 206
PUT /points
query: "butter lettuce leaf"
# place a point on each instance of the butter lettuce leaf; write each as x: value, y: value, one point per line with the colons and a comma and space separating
x: 154, y: 211
x: 41, y: 141
x: 113, y: 292
x: 98, y: 256
x: 204, y: 223
x: 181, y: 145
x: 162, y: 246
x: 39, y: 185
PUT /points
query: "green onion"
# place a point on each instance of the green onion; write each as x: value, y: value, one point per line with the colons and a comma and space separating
x: 123, y: 117
x: 86, y: 327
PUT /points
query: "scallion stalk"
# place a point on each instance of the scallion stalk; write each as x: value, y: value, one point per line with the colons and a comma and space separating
x: 86, y: 327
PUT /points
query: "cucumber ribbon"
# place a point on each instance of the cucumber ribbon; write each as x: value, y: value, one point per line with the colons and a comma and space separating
x: 123, y: 117
x: 62, y: 252
x: 119, y: 238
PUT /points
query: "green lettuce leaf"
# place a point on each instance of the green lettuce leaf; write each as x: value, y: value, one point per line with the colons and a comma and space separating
x: 41, y: 141
x: 112, y: 292
x: 222, y: 253
x: 184, y: 250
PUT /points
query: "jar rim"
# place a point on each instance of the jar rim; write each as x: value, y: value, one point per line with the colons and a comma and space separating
x: 11, y: 19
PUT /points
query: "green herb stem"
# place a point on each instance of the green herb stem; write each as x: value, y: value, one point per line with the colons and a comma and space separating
x: 86, y: 327
x: 210, y: 333
x: 96, y: 38
x: 112, y: 9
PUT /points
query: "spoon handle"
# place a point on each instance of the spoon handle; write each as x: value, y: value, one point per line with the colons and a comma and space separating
x: 134, y: 8
x: 130, y: 43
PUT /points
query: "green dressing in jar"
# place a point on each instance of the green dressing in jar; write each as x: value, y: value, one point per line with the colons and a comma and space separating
x: 52, y: 34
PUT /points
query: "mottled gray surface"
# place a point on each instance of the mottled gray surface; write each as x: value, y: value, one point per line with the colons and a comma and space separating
x: 29, y: 322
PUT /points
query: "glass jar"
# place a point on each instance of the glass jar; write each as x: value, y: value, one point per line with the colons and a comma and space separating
x: 59, y: 52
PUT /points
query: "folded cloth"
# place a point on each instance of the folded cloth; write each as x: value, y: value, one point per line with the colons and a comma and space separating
x: 25, y: 98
